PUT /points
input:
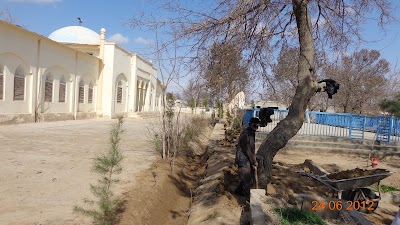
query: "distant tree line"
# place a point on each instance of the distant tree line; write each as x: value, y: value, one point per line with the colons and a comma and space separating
x: 364, y: 78
x: 367, y: 86
x: 222, y: 74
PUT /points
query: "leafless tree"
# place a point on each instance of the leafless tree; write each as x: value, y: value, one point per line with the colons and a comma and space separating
x: 168, y: 64
x: 194, y: 92
x: 258, y: 27
x: 225, y: 73
x: 362, y: 79
x: 393, y: 82
x: 7, y: 16
x: 283, y: 80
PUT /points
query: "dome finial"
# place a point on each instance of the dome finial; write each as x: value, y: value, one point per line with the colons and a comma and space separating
x: 80, y: 21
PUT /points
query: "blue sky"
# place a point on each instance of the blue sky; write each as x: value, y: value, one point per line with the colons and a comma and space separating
x: 46, y: 16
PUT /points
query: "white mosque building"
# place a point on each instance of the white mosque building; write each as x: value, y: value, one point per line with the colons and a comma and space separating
x: 72, y: 74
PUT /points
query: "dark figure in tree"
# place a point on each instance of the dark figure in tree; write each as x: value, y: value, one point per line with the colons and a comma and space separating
x: 265, y: 116
x: 331, y: 87
x: 246, y: 157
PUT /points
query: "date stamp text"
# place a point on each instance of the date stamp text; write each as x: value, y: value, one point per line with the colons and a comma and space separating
x: 338, y: 205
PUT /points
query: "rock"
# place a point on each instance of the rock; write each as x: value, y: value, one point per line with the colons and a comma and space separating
x: 271, y: 190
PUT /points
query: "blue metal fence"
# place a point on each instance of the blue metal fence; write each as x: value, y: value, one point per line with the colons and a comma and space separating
x: 352, y: 126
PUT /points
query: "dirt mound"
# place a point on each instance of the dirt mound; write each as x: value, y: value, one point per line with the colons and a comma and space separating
x: 287, y: 181
x: 300, y: 168
x: 230, y: 138
x: 354, y: 173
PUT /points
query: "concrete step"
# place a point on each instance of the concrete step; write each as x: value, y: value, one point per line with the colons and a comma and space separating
x: 338, y: 141
x: 338, y: 145
x: 344, y: 144
x: 147, y: 115
x: 321, y: 139
x: 133, y: 115
x: 374, y: 154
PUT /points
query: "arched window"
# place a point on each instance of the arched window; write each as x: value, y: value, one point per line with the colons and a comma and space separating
x: 81, y: 92
x: 62, y: 90
x: 48, y: 88
x: 90, y: 97
x: 119, y: 92
x: 19, y: 84
x: 1, y: 82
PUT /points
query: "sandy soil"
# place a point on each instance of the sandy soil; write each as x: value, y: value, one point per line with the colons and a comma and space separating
x: 46, y: 171
x: 46, y: 167
x: 167, y: 200
x: 163, y: 196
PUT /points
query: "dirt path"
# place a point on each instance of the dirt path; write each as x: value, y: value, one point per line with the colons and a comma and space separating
x: 161, y: 198
x: 46, y: 167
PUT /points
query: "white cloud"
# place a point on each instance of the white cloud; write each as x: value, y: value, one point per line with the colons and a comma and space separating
x: 142, y: 41
x: 36, y: 1
x: 118, y: 38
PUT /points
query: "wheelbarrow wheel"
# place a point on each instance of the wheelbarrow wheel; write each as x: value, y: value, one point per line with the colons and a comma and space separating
x: 370, y: 195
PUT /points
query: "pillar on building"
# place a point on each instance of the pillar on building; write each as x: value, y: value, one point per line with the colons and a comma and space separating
x: 146, y: 96
x: 139, y: 95
x: 160, y: 106
x: 126, y: 100
x: 35, y: 85
x: 142, y: 96
x: 153, y: 98
x: 133, y: 88
x: 99, y: 101
x: 76, y: 95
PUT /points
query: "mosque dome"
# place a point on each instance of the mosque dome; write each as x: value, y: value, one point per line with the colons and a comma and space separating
x: 76, y: 35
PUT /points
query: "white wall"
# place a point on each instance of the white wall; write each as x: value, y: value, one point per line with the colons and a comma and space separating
x: 21, y: 51
x: 55, y: 106
x: 122, y: 72
x: 39, y: 56
x: 10, y: 62
x: 148, y: 74
x: 117, y: 62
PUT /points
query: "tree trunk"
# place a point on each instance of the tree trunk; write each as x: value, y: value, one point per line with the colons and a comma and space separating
x: 306, y: 88
x: 164, y: 126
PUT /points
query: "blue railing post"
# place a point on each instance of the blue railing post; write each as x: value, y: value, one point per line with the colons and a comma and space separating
x: 350, y: 126
x: 390, y: 127
x: 378, y: 129
x: 385, y: 124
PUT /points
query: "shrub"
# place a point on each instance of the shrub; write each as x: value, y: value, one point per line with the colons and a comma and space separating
x: 229, y: 118
x: 236, y: 124
x: 105, y: 209
x: 384, y: 188
x: 293, y: 216
x: 157, y: 143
